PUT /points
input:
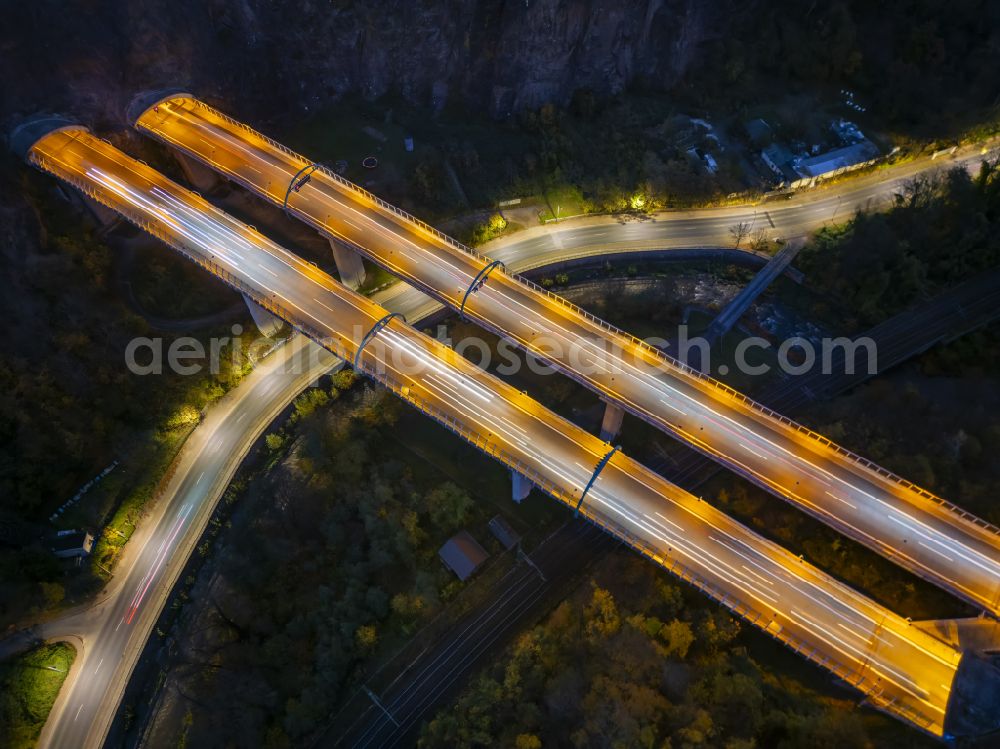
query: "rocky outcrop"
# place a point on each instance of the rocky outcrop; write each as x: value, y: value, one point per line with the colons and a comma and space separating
x: 88, y: 58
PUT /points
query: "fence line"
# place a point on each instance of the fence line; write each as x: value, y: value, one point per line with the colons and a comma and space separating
x: 496, y: 451
x: 655, y: 353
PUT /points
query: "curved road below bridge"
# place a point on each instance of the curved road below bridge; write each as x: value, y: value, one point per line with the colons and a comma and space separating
x: 210, y: 458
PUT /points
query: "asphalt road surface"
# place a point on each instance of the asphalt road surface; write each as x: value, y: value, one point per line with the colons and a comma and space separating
x: 907, y: 524
x: 113, y: 632
x: 899, y: 668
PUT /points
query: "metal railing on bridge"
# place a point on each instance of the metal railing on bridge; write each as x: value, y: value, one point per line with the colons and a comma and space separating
x: 661, y: 357
x: 762, y: 620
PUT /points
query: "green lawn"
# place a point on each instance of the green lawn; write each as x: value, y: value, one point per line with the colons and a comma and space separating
x: 29, y: 685
x: 144, y: 477
x: 376, y: 277
x: 563, y: 201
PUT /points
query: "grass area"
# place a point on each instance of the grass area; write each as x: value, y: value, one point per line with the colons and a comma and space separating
x: 376, y: 277
x: 148, y: 471
x: 352, y: 131
x: 563, y: 201
x: 29, y: 685
x: 344, y: 136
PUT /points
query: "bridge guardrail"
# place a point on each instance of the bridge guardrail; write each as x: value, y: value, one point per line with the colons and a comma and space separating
x: 755, y: 617
x: 674, y: 566
x: 743, y: 399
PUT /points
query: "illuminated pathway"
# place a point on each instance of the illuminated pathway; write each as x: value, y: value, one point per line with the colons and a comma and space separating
x: 900, y: 668
x: 910, y: 526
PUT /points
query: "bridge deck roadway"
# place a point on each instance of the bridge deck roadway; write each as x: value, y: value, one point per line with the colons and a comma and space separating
x: 904, y: 523
x: 900, y: 668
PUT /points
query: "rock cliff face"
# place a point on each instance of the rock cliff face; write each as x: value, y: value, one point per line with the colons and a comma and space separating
x: 87, y: 57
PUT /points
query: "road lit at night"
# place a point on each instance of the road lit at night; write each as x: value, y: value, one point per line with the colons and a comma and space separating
x: 900, y: 668
x: 904, y: 523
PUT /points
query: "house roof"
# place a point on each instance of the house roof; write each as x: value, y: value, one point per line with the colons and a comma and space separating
x: 462, y: 554
x: 782, y: 160
x: 838, y: 159
x: 71, y: 541
x: 503, y: 532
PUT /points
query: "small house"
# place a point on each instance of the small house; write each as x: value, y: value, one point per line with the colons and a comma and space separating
x: 70, y: 544
x: 506, y: 535
x: 462, y: 554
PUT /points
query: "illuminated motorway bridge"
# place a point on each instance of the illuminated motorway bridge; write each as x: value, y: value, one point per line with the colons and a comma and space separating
x: 905, y: 523
x: 900, y: 668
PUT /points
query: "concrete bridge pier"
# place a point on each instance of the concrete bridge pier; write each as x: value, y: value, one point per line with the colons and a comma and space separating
x: 199, y: 176
x: 611, y: 426
x: 267, y: 323
x: 520, y: 486
x: 349, y: 264
x: 107, y: 218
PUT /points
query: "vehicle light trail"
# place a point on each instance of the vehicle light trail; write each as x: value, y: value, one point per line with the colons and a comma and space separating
x: 889, y: 515
x: 161, y: 556
x: 901, y: 669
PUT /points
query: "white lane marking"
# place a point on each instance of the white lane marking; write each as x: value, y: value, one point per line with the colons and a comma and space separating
x: 671, y: 405
x: 323, y: 305
x: 278, y: 165
x: 939, y: 553
x: 841, y: 499
x: 751, y: 451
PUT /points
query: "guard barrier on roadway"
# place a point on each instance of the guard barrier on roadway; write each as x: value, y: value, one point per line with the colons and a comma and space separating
x: 761, y: 619
x: 745, y: 401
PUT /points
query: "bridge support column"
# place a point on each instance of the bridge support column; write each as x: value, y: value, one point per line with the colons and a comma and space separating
x: 612, y: 424
x: 201, y: 177
x: 520, y: 486
x: 104, y: 215
x: 349, y: 265
x: 267, y: 323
